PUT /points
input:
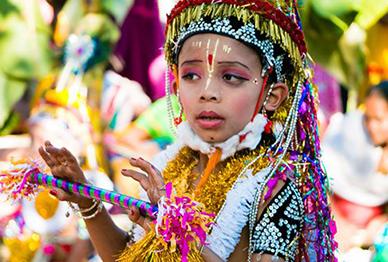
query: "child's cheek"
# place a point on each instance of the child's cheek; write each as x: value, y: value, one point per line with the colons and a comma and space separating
x: 185, y: 99
x: 242, y: 103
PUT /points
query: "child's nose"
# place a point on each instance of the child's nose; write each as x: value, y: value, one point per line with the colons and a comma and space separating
x: 210, y: 93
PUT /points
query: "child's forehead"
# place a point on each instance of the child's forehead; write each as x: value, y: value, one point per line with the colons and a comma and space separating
x: 218, y: 46
x: 209, y: 40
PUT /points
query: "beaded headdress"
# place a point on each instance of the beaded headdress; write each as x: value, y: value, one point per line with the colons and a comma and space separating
x: 274, y: 30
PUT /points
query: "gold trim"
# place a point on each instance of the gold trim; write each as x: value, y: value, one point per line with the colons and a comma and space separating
x: 277, y: 34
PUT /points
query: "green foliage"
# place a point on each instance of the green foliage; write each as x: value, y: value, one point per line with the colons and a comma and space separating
x: 371, y: 12
x: 25, y: 53
x: 335, y: 33
x: 100, y: 26
x: 7, y: 7
x: 117, y: 8
x: 11, y: 91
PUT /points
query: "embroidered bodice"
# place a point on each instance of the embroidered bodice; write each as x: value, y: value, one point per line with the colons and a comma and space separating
x: 278, y: 229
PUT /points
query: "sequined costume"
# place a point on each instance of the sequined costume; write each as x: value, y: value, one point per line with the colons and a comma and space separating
x: 277, y: 231
x: 296, y: 224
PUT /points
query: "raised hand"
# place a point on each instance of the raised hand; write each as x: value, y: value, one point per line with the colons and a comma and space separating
x: 64, y: 165
x: 152, y: 183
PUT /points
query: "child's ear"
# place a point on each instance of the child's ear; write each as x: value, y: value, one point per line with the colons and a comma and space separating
x: 174, y: 86
x: 278, y: 94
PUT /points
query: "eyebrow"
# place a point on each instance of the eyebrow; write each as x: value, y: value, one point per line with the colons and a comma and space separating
x: 220, y: 63
x: 234, y: 63
x: 191, y: 62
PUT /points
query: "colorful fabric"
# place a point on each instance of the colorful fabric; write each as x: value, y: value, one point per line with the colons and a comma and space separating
x: 273, y: 29
x: 155, y: 121
x: 351, y: 159
x: 140, y: 42
x: 279, y: 227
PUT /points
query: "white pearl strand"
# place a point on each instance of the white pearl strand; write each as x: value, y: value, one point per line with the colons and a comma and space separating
x: 293, y: 115
x: 170, y: 110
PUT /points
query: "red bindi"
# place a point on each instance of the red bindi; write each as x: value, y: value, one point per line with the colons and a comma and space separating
x: 210, y: 59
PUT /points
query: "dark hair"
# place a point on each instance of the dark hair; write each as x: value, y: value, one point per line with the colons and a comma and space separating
x: 381, y: 89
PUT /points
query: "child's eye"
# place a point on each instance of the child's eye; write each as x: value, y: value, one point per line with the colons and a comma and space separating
x: 190, y: 76
x: 234, y: 79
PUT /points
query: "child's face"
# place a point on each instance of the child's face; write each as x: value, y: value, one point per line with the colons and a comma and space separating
x: 219, y: 85
x: 376, y: 118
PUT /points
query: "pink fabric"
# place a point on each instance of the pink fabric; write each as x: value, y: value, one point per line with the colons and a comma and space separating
x: 329, y: 92
x: 357, y: 214
x: 156, y: 72
x: 140, y: 42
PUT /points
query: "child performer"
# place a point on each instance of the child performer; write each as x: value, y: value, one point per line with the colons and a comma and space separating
x: 247, y: 146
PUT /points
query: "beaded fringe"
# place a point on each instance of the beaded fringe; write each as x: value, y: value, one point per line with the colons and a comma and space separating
x: 270, y: 28
x: 152, y: 248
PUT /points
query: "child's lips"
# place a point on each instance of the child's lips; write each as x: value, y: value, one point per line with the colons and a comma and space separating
x: 209, y: 120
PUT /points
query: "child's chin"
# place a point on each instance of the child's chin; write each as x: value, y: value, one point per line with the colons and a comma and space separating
x: 213, y: 139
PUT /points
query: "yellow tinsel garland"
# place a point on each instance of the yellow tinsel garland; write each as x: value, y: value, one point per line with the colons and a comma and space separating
x: 152, y: 248
x: 179, y: 171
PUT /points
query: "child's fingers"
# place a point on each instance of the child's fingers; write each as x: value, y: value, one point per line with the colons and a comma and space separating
x: 68, y: 156
x: 61, y: 156
x: 58, y: 154
x: 142, y: 164
x: 153, y: 175
x: 157, y: 178
x: 52, y: 151
x: 139, y: 177
x: 46, y: 157
x: 155, y: 190
x: 135, y: 216
x: 64, y: 196
x: 71, y: 162
x: 60, y: 194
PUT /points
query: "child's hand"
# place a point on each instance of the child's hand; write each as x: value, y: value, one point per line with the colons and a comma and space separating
x: 152, y: 183
x: 64, y: 165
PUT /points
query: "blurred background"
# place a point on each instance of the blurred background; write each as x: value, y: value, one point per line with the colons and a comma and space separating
x: 90, y: 75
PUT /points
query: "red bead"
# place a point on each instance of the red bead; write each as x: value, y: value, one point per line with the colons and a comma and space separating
x: 177, y: 120
x: 268, y: 126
